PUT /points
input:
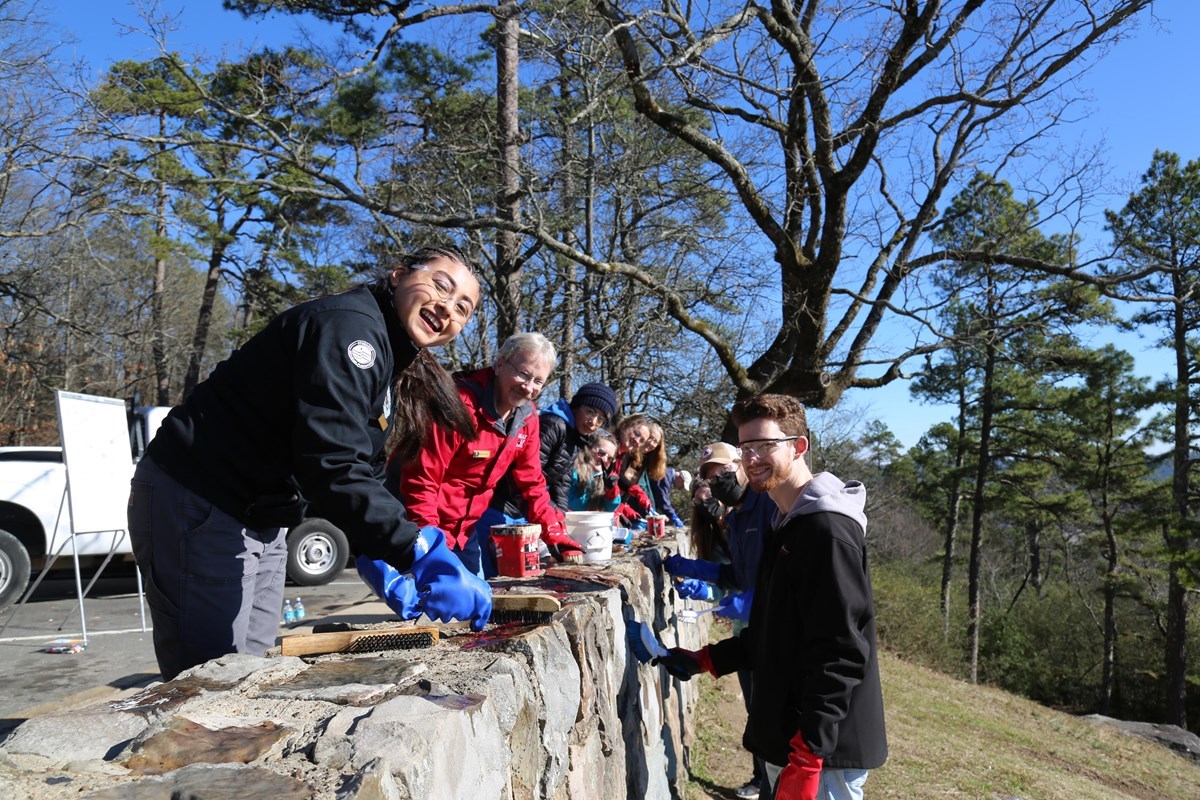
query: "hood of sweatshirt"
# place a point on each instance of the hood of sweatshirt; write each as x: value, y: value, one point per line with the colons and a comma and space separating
x: 561, y: 408
x: 827, y: 492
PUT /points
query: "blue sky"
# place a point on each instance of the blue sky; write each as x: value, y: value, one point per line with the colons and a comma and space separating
x: 1143, y: 98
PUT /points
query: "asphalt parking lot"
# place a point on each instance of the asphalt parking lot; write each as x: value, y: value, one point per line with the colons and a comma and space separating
x: 119, y: 655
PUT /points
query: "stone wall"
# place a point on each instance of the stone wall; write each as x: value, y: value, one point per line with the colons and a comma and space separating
x: 559, y: 710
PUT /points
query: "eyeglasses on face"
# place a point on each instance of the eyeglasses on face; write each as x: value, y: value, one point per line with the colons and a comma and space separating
x: 761, y: 448
x: 526, y: 377
x: 597, y: 416
x: 445, y: 286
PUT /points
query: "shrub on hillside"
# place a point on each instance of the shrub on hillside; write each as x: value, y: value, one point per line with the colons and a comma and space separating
x: 909, y: 618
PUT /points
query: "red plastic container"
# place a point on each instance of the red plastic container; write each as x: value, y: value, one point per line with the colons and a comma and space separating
x: 656, y: 525
x: 517, y: 550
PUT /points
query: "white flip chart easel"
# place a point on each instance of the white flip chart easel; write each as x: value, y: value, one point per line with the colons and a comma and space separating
x: 99, y: 465
x: 95, y: 441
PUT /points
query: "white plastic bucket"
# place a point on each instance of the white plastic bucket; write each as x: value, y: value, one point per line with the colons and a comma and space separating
x: 593, y: 531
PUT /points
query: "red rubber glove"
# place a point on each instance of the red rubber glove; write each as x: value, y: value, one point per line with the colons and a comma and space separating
x: 561, y: 546
x: 627, y: 516
x: 637, y: 498
x: 802, y: 775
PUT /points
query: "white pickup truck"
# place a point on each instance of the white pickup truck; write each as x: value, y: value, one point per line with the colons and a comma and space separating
x: 35, y: 519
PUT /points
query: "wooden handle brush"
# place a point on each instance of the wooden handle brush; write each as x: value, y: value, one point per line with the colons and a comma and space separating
x: 405, y: 637
x: 526, y: 609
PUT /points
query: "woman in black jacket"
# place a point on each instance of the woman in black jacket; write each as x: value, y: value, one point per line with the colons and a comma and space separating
x: 300, y: 414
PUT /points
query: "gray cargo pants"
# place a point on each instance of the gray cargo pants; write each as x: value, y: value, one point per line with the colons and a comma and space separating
x: 214, y: 586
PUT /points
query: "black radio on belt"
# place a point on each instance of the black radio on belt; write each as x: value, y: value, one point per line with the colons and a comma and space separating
x: 276, y: 510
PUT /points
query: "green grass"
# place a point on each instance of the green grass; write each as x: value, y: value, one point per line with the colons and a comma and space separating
x: 949, y: 739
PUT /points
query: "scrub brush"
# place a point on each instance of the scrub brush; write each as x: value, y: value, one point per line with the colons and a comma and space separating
x: 644, y: 644
x: 523, y: 609
x: 406, y: 637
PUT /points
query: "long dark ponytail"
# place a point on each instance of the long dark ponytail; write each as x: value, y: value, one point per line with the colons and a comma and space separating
x: 425, y: 393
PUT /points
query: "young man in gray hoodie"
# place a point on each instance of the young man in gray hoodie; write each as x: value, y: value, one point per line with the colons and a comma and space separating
x: 816, y: 715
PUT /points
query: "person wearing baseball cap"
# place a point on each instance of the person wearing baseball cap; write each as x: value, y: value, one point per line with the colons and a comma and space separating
x: 718, y: 453
x: 728, y: 526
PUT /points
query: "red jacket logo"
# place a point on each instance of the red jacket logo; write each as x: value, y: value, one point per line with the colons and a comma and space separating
x: 521, y: 437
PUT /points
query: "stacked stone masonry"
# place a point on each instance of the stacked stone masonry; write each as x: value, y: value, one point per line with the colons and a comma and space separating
x: 561, y: 710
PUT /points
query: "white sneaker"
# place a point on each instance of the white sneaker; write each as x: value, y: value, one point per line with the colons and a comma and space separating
x: 747, y: 791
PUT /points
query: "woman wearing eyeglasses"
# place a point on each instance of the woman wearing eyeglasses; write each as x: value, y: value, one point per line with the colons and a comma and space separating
x: 301, y: 414
x: 642, y: 469
x: 593, y: 484
x: 452, y: 480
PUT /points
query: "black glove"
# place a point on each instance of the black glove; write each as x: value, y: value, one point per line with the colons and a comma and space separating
x: 685, y: 664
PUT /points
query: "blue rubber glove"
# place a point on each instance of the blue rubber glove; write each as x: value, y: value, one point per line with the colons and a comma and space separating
x: 680, y: 567
x: 446, y: 589
x: 693, y: 589
x: 398, y: 591
x: 736, y: 606
x: 676, y: 521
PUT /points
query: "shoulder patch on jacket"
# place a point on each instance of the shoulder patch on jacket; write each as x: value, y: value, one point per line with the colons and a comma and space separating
x: 362, y: 354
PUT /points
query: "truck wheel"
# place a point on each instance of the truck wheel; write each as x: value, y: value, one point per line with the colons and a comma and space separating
x: 14, y: 569
x: 317, y: 552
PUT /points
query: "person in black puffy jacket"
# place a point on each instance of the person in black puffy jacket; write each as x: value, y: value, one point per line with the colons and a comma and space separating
x: 564, y: 431
x: 565, y: 428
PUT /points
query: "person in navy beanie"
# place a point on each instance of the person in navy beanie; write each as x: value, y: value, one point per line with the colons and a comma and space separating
x: 597, y: 397
x: 566, y: 427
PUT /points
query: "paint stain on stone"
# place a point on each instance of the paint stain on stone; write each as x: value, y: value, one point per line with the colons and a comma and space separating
x: 162, y: 698
x: 211, y: 783
x: 361, y: 671
x: 184, y: 742
x: 497, y: 635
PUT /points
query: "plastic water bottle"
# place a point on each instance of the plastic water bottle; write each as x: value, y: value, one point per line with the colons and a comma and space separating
x: 299, y: 609
x: 289, y: 613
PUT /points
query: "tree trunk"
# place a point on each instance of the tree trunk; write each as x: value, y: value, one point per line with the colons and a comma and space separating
x: 1033, y: 544
x: 158, y: 334
x: 1176, y: 536
x: 986, y: 403
x: 952, y: 513
x: 1108, y: 667
x: 508, y: 152
x: 204, y: 319
x: 569, y: 270
x: 216, y: 257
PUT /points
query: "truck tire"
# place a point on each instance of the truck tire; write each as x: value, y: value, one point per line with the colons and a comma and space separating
x: 14, y: 569
x: 317, y: 552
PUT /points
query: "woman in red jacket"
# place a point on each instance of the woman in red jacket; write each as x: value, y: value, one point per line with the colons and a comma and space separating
x: 450, y: 481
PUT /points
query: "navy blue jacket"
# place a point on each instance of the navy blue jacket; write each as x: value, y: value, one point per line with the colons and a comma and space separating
x: 746, y: 526
x: 300, y: 412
